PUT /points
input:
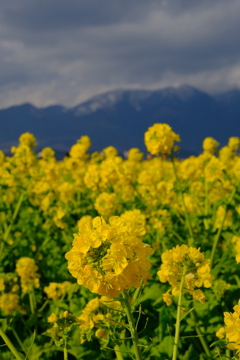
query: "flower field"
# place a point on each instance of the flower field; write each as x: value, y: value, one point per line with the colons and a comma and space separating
x: 109, y: 258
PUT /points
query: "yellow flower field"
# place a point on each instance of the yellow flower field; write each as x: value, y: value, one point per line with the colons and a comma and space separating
x: 107, y: 258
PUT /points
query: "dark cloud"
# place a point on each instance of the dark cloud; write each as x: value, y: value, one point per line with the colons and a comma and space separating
x: 62, y: 52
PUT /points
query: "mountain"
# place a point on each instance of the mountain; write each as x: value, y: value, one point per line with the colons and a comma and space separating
x: 120, y: 118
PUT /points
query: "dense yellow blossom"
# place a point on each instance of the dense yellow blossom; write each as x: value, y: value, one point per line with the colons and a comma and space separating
x: 87, y: 219
x: 220, y: 287
x: 109, y: 258
x: 214, y: 169
x: 2, y: 284
x: 134, y: 215
x: 160, y: 138
x: 27, y: 270
x: 236, y: 242
x: 210, y: 145
x: 106, y: 204
x: 135, y: 154
x: 9, y: 302
x: 27, y: 139
x: 234, y: 142
x: 223, y: 216
x: 190, y: 263
x: 97, y: 313
x: 232, y: 329
x: 56, y: 290
x: 102, y: 334
x: 110, y: 152
x: 52, y: 318
x: 48, y: 154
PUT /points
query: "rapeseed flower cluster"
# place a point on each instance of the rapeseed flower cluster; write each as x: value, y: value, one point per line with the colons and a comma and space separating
x: 232, y: 329
x: 187, y: 262
x: 56, y: 290
x: 27, y: 269
x: 236, y: 242
x: 210, y: 145
x: 42, y: 200
x: 160, y: 138
x: 109, y: 258
x: 9, y: 302
x: 98, y: 314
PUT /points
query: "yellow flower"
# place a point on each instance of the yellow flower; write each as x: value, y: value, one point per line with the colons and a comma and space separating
x: 110, y: 152
x: 9, y: 302
x: 199, y: 295
x: 167, y: 298
x: 27, y: 270
x: 210, y: 144
x: 221, y: 333
x: 109, y: 258
x: 2, y: 284
x: 159, y: 139
x: 233, y: 143
x: 52, y: 318
x: 27, y: 139
x: 220, y: 214
x: 214, y: 169
x: 236, y: 242
x: 134, y: 215
x: 78, y: 151
x: 135, y: 155
x: 232, y: 329
x: 56, y: 290
x: 102, y: 334
x: 106, y: 204
x: 48, y: 153
x: 189, y: 262
x: 87, y: 219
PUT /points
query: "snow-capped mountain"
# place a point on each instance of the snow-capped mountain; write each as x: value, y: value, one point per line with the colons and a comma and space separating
x: 121, y: 117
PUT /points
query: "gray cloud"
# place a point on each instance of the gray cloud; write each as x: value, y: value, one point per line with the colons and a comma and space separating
x: 63, y: 52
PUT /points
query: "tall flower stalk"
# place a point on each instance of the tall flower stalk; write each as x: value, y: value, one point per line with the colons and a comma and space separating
x: 132, y: 326
x: 178, y: 320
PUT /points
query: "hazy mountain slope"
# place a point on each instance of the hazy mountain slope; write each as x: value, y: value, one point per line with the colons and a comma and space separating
x: 120, y: 118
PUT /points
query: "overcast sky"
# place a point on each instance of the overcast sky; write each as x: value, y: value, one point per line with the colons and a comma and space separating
x: 65, y: 51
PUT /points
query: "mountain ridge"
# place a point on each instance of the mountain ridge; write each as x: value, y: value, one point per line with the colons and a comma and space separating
x: 121, y: 117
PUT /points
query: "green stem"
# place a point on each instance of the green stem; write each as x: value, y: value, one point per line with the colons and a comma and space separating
x: 178, y: 236
x: 206, y: 225
x: 216, y: 239
x: 43, y: 306
x: 10, y: 345
x: 135, y: 296
x: 18, y: 340
x: 221, y: 226
x: 1, y: 249
x: 183, y: 202
x: 178, y: 320
x: 118, y: 352
x: 201, y: 338
x: 228, y: 353
x: 9, y: 227
x: 78, y: 197
x: 65, y: 352
x: 132, y: 327
x: 31, y: 300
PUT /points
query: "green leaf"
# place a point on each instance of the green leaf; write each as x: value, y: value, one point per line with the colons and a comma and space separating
x: 188, y: 312
x: 58, y: 343
x: 166, y: 346
x: 49, y: 334
x: 189, y: 354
